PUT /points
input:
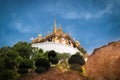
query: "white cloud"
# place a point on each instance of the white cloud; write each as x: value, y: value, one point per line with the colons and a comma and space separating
x: 25, y: 27
x: 31, y: 38
x: 106, y: 10
x: 22, y: 28
x: 73, y: 14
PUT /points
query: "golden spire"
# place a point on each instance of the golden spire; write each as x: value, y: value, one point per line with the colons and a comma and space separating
x: 54, y: 26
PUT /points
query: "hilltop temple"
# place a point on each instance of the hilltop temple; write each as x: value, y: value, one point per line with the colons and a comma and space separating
x: 57, y: 41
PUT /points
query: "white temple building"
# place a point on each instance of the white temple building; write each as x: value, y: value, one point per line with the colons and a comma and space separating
x: 57, y: 41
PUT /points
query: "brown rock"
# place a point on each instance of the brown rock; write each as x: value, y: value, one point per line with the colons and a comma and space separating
x: 55, y: 74
x: 104, y: 63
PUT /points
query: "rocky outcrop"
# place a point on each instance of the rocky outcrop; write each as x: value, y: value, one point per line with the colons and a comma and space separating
x: 104, y: 63
x: 55, y: 74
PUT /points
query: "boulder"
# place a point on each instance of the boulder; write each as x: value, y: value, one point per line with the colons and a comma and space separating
x: 104, y: 63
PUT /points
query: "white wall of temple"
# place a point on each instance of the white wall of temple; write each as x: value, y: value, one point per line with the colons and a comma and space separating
x: 61, y: 48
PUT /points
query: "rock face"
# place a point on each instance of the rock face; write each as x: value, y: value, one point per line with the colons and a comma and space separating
x: 55, y: 74
x: 104, y: 63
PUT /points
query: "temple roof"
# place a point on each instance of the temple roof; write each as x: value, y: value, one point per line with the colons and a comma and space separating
x: 57, y: 33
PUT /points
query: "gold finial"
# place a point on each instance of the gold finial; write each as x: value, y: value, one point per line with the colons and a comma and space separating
x: 54, y: 26
x: 60, y: 28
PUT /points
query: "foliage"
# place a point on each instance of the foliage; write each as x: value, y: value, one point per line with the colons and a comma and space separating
x: 24, y: 49
x: 40, y: 70
x: 38, y: 53
x: 51, y: 54
x: 9, y: 63
x: 4, y: 49
x: 63, y: 57
x: 18, y: 60
x: 7, y: 58
x: 8, y: 75
x: 76, y: 67
x: 78, y: 53
x: 2, y: 63
x: 63, y: 61
x: 83, y: 50
x: 63, y: 66
x: 15, y: 58
x: 22, y: 71
x: 42, y: 63
x: 52, y: 57
x: 26, y: 64
x: 53, y: 60
x: 76, y: 59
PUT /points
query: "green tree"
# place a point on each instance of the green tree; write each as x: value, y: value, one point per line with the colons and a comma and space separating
x: 38, y: 53
x: 24, y: 65
x: 8, y: 75
x: 4, y: 49
x: 8, y: 64
x: 24, y: 49
x: 63, y: 60
x: 7, y: 57
x: 63, y: 57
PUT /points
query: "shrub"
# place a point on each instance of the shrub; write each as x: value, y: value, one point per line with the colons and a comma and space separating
x: 52, y: 53
x: 42, y: 63
x: 83, y: 51
x: 76, y: 67
x: 8, y: 75
x: 26, y: 64
x: 40, y: 70
x: 24, y: 49
x: 64, y: 56
x: 23, y: 71
x: 9, y: 63
x: 76, y: 59
x: 54, y: 60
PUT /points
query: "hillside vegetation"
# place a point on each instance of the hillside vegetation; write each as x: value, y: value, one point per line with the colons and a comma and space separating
x: 22, y: 60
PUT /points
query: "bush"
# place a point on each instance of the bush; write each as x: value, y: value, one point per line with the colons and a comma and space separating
x: 76, y: 67
x: 51, y: 54
x: 64, y: 56
x: 83, y: 51
x: 54, y: 60
x: 7, y: 58
x: 24, y: 49
x: 26, y: 64
x: 42, y: 63
x: 23, y: 71
x: 8, y: 75
x: 40, y: 70
x: 76, y: 59
x: 9, y: 63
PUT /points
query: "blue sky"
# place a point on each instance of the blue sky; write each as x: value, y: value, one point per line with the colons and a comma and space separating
x: 93, y: 23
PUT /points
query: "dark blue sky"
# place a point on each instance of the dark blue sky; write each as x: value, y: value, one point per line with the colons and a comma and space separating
x: 92, y: 22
